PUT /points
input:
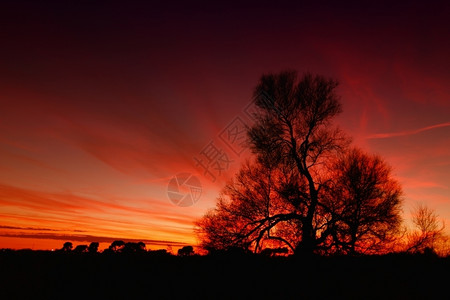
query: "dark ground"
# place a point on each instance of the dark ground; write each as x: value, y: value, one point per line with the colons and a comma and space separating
x: 51, y: 275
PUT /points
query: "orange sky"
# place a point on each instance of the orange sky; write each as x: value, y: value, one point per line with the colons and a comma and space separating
x: 101, y: 106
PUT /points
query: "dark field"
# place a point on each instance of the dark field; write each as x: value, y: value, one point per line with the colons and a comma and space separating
x: 51, y: 275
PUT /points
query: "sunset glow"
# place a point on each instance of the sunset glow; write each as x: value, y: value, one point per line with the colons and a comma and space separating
x: 101, y: 106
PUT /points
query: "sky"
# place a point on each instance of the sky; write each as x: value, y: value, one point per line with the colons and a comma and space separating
x: 124, y: 120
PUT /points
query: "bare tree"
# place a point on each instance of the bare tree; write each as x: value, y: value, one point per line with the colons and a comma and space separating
x: 289, y: 196
x: 294, y: 128
x: 250, y: 211
x: 365, y: 204
x: 428, y: 232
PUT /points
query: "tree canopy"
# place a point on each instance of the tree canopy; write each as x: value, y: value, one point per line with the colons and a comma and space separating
x: 306, y: 187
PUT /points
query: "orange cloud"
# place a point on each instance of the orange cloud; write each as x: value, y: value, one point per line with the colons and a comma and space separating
x: 68, y: 214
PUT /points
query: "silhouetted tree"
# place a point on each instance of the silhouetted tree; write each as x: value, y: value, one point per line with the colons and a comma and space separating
x: 186, y: 251
x: 290, y: 194
x: 250, y: 211
x: 67, y: 247
x: 364, y: 204
x: 133, y: 247
x: 117, y: 246
x: 427, y: 233
x: 93, y: 247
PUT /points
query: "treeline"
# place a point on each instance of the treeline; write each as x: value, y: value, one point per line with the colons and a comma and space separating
x: 119, y: 246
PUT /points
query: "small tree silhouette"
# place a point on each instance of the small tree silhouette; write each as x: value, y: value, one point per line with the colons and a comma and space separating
x: 93, y: 247
x: 67, y: 247
x: 186, y: 251
x: 133, y: 247
x: 428, y: 233
x: 117, y: 246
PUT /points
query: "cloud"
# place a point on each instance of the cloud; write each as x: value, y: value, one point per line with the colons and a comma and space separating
x: 130, y: 218
x: 33, y: 228
x: 92, y: 238
x: 407, y: 132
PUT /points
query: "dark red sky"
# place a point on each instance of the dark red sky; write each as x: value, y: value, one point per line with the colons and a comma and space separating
x: 102, y: 104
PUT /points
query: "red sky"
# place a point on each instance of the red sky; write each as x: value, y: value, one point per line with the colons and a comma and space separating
x: 102, y: 104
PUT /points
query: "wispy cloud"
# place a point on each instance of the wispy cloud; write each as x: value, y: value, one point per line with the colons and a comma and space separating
x: 33, y: 228
x: 407, y: 132
x: 92, y: 238
x: 129, y: 218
